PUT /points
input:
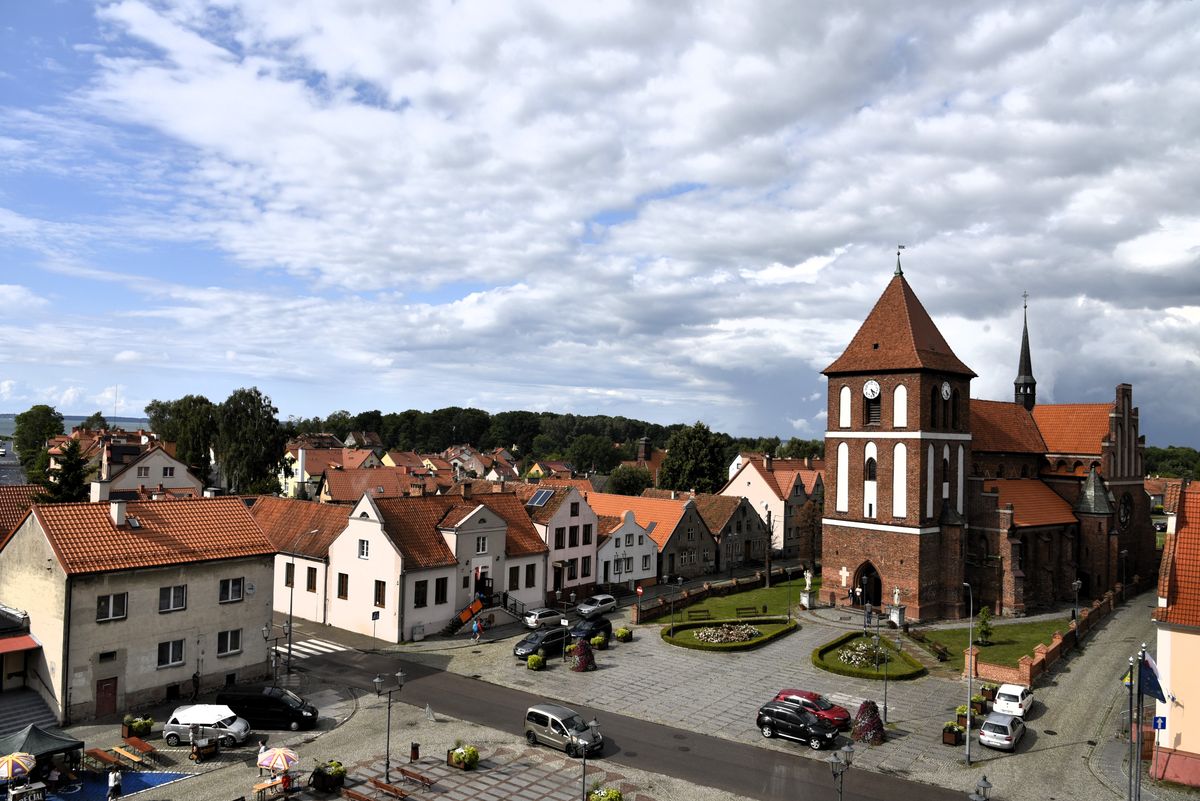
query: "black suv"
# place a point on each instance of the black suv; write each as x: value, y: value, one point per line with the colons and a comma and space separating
x: 543, y: 642
x: 786, y: 719
x: 589, y: 628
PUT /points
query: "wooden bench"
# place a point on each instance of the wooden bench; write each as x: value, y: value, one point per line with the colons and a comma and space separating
x: 133, y: 758
x: 143, y: 748
x: 390, y: 789
x: 103, y: 759
x: 746, y: 611
x: 419, y: 778
x: 269, y: 787
x: 699, y: 614
x: 354, y: 795
x: 940, y: 651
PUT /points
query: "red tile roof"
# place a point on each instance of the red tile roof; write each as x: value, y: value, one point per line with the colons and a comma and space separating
x: 663, y: 515
x: 353, y: 458
x: 306, y: 528
x: 1034, y: 503
x: 581, y: 484
x: 898, y: 334
x: 716, y: 510
x: 86, y: 540
x: 540, y: 514
x: 1073, y: 428
x: 1171, y: 498
x: 348, y: 486
x: 783, y: 475
x: 15, y: 500
x: 407, y: 459
x: 1179, y: 574
x: 1000, y: 427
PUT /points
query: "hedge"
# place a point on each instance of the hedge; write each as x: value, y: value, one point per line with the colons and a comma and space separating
x: 910, y: 669
x: 786, y: 627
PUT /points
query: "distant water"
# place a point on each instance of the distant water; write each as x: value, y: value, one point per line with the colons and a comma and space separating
x: 8, y: 422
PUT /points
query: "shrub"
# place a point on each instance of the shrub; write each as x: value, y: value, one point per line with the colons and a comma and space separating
x: 139, y: 727
x: 332, y: 767
x: 465, y: 755
x: 535, y: 662
x: 901, y: 665
x: 599, y: 642
x: 570, y: 649
x: 961, y: 709
x: 952, y: 725
x: 781, y: 627
x: 623, y: 634
x: 864, y: 653
x: 868, y: 728
x: 728, y: 633
x: 985, y: 626
x: 977, y: 698
x: 605, y: 794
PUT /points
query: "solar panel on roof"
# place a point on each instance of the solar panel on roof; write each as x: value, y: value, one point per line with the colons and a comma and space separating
x: 540, y: 497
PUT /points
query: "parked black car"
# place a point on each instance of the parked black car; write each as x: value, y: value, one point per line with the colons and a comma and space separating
x: 589, y: 628
x: 786, y: 719
x: 269, y: 707
x: 543, y: 642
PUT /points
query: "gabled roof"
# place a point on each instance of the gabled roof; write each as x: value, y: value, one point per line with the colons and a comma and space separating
x: 407, y: 459
x: 1034, y: 503
x: 347, y: 486
x: 1073, y: 428
x: 898, y: 334
x: 1179, y: 574
x: 716, y: 509
x: 15, y: 500
x: 1000, y: 427
x: 353, y: 458
x: 581, y: 484
x: 658, y: 517
x: 365, y: 439
x: 1171, y: 498
x: 1155, y: 486
x: 146, y: 454
x: 306, y: 528
x: 540, y: 514
x: 782, y: 476
x: 86, y: 540
x: 313, y: 442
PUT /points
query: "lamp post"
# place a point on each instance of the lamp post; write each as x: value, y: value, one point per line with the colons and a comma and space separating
x: 387, y: 755
x: 789, y: 583
x: 292, y: 597
x: 591, y: 724
x: 1076, y: 585
x: 840, y: 762
x: 971, y: 660
x: 266, y: 633
x: 880, y: 651
x: 1124, y: 553
x: 983, y: 790
x: 770, y: 541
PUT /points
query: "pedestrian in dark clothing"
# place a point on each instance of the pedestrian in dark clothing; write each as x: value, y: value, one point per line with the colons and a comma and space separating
x: 195, y: 685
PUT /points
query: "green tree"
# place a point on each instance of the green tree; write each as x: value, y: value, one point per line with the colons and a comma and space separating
x: 592, y: 453
x: 694, y: 461
x: 796, y: 448
x: 95, y: 423
x: 369, y: 421
x: 191, y: 423
x: 340, y: 423
x: 984, y: 626
x: 250, y: 442
x: 626, y: 480
x: 34, y: 427
x: 67, y: 482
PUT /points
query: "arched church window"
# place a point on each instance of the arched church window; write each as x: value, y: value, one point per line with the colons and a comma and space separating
x: 999, y: 471
x: 933, y: 407
x: 954, y: 410
x: 983, y: 547
x: 870, y: 455
x: 844, y: 407
x: 900, y: 407
x: 1060, y: 465
x: 869, y: 470
x: 900, y: 480
x: 1077, y: 467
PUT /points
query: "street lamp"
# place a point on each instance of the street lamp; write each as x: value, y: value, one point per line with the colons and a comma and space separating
x: 770, y: 541
x: 970, y: 658
x: 1076, y: 585
x: 1124, y: 553
x: 983, y: 790
x: 387, y: 756
x: 266, y: 633
x: 840, y: 762
x: 591, y: 724
x: 292, y: 597
x: 880, y: 650
x: 789, y: 583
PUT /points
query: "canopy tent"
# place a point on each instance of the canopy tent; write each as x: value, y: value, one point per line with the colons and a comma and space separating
x: 39, y: 742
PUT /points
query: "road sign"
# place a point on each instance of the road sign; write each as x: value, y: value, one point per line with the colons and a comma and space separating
x: 1160, y: 723
x: 639, y: 590
x: 375, y: 615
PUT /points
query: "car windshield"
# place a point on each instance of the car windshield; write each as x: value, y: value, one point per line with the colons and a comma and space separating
x: 821, y: 702
x: 575, y: 723
x: 229, y: 721
x: 292, y: 700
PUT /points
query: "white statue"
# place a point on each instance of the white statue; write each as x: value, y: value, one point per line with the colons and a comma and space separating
x: 896, y: 596
x: 807, y: 580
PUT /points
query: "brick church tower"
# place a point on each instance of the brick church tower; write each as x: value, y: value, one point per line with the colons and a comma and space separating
x: 897, y: 449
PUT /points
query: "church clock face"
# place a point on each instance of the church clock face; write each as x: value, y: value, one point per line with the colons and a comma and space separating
x: 1125, y: 511
x: 945, y: 390
x: 871, y: 389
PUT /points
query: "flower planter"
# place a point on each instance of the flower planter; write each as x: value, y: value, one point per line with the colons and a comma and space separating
x: 326, y: 782
x: 125, y: 732
x: 450, y: 760
x: 962, y: 720
x: 952, y: 737
x: 988, y: 693
x: 979, y: 707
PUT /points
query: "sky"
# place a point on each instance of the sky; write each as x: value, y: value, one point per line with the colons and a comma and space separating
x: 672, y: 212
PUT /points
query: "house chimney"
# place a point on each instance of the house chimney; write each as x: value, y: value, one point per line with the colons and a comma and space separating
x: 643, y: 451
x: 502, y: 483
x: 770, y: 461
x: 211, y: 492
x: 117, y: 510
x: 673, y: 495
x: 99, y: 491
x: 299, y: 471
x: 466, y: 490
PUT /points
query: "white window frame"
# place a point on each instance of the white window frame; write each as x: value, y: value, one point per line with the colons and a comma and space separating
x: 225, y: 594
x: 231, y: 647
x: 364, y: 549
x: 124, y: 596
x: 173, y: 660
x: 481, y: 544
x: 168, y: 472
x: 143, y: 471
x: 645, y: 561
x: 176, y: 598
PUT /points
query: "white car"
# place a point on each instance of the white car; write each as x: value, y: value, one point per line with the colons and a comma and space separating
x: 1013, y: 699
x: 536, y: 618
x: 596, y: 605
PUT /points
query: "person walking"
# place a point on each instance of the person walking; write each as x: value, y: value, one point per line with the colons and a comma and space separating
x: 114, y: 783
x: 262, y: 749
x: 476, y: 631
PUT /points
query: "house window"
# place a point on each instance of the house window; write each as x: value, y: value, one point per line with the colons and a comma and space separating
x: 466, y: 582
x: 111, y: 607
x: 343, y: 586
x: 628, y: 564
x: 420, y: 595
x: 289, y: 574
x: 514, y: 578
x: 530, y: 575
x: 441, y: 589
x: 481, y: 545
x: 229, y: 642
x: 311, y: 583
x: 586, y: 568
x: 144, y: 471
x: 575, y: 509
x: 641, y: 539
x: 560, y: 537
x: 380, y: 593
x: 231, y: 591
x: 168, y: 472
x: 172, y: 599
x: 170, y: 653
x: 364, y: 549
x: 617, y: 566
x: 572, y: 569
x: 691, y: 533
x: 573, y: 537
x: 629, y: 540
x: 587, y: 533
x: 646, y: 562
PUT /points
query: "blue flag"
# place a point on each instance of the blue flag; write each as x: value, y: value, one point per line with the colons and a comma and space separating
x: 1148, y: 681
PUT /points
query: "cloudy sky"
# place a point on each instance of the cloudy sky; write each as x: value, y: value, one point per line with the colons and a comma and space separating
x: 617, y: 208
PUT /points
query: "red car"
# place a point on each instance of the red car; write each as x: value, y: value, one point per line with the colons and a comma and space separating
x: 819, y: 705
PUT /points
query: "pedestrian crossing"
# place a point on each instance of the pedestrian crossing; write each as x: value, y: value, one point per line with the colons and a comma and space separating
x: 303, y: 649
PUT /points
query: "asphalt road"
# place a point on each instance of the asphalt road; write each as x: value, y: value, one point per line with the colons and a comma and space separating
x: 701, y: 759
x: 10, y: 468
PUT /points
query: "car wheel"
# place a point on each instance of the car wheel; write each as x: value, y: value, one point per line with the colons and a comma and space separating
x: 228, y: 742
x: 172, y: 740
x: 570, y: 750
x: 531, y: 738
x: 815, y: 743
x: 767, y: 730
x: 295, y: 726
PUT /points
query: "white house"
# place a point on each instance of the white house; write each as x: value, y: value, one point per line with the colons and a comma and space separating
x: 153, y: 474
x: 568, y: 526
x: 626, y: 553
x: 792, y: 492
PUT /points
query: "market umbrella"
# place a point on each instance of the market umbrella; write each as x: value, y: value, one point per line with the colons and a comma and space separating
x: 278, y: 759
x: 14, y: 765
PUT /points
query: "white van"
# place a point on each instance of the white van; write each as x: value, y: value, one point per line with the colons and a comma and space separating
x: 205, y: 722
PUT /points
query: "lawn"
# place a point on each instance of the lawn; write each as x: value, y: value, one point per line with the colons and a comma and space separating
x: 776, y: 599
x: 1010, y: 641
x: 687, y: 637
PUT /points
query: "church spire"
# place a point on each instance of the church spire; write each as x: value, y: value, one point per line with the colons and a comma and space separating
x: 1025, y: 387
x: 898, y: 270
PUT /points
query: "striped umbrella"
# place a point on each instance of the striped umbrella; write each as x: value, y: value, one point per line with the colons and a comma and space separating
x: 18, y: 764
x: 278, y: 759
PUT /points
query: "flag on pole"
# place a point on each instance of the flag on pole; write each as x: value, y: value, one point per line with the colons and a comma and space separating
x: 1127, y: 679
x: 1148, y: 679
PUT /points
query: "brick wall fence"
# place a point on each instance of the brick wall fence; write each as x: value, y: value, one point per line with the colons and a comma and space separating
x: 1030, y: 668
x: 661, y: 605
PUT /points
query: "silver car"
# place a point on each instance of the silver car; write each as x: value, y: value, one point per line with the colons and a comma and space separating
x: 536, y: 618
x: 1001, y: 731
x: 596, y: 605
x: 560, y: 727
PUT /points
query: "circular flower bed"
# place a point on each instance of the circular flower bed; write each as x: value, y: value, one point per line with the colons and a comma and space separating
x: 863, y: 653
x: 727, y: 633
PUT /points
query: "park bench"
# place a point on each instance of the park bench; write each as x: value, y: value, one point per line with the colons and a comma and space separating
x: 940, y: 651
x: 419, y: 778
x: 746, y: 611
x: 143, y: 748
x: 390, y: 789
x: 101, y: 759
x: 134, y: 759
x: 699, y: 614
x: 354, y: 795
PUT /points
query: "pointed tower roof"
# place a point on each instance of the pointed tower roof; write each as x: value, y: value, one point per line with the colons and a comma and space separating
x: 898, y: 334
x: 1093, y: 498
x: 1025, y: 368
